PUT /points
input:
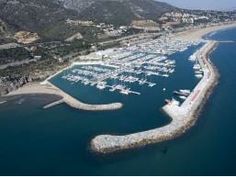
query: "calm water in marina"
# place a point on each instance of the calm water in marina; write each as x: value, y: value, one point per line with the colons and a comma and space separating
x: 56, y: 141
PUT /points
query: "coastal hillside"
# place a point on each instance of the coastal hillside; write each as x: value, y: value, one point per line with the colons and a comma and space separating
x: 38, y: 15
x: 32, y: 15
x: 118, y: 12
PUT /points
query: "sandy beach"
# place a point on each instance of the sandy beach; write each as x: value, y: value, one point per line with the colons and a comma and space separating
x: 48, y: 88
x: 196, y: 34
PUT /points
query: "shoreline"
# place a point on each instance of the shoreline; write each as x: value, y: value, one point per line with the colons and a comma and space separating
x: 49, y: 89
x: 183, y: 117
x: 200, y: 33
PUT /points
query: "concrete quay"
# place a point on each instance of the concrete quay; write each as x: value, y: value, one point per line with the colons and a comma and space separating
x: 183, y: 116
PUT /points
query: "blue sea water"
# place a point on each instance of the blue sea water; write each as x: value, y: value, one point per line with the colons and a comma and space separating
x: 56, y: 141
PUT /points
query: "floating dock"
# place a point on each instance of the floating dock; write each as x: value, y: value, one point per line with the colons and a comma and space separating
x: 133, y: 64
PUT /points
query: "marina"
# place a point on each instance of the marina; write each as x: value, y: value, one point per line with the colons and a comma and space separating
x: 197, y: 68
x: 62, y: 133
x: 134, y: 64
x: 183, y: 114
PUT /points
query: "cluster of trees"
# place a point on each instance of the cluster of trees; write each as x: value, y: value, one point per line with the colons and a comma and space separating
x: 14, y: 54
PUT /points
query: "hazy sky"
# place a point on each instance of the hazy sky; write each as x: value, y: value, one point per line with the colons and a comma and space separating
x: 204, y: 4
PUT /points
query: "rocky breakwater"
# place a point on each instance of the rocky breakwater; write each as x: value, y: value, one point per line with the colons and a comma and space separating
x: 74, y: 103
x: 183, y: 116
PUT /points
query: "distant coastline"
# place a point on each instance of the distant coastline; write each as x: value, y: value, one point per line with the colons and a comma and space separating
x: 196, y: 34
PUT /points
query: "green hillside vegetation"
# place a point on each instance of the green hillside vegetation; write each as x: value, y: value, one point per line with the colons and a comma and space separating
x: 62, y: 31
x: 14, y: 54
x: 47, y: 17
x: 32, y: 15
x: 118, y: 12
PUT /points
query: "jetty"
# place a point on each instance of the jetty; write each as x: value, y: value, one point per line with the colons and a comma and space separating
x: 183, y: 115
x: 48, y: 88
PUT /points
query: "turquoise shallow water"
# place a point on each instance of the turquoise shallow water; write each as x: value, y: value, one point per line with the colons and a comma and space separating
x: 56, y: 141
